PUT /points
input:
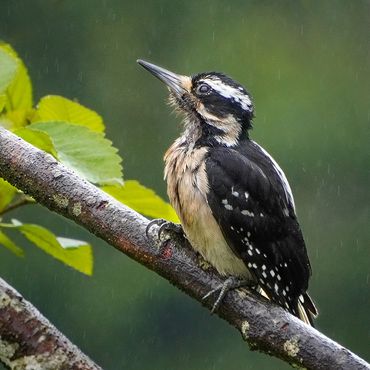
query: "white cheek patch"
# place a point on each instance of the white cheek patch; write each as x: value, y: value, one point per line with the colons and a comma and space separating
x: 230, y: 92
x: 207, y: 115
x: 228, y: 125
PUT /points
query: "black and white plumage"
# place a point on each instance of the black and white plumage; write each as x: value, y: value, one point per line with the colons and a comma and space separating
x: 234, y: 201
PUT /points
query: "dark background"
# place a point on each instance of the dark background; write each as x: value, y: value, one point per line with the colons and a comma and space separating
x: 307, y: 64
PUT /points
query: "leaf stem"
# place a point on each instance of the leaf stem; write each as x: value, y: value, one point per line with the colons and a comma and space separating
x: 21, y: 201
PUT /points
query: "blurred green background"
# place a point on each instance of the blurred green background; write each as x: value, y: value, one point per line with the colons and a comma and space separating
x: 307, y: 65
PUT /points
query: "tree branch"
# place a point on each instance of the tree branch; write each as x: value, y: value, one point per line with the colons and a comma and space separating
x: 28, y: 340
x: 265, y: 326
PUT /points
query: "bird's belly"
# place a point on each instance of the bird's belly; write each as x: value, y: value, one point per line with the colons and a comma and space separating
x: 206, y: 238
x: 187, y: 188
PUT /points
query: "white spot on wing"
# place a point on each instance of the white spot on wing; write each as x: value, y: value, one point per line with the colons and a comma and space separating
x: 228, y: 207
x: 245, y: 212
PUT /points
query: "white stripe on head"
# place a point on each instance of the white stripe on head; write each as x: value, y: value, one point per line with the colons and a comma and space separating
x: 238, y: 94
x: 228, y: 125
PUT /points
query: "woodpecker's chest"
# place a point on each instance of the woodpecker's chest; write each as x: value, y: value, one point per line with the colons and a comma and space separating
x: 187, y: 183
x: 187, y: 187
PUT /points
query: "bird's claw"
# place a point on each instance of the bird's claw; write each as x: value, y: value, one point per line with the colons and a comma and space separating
x: 171, y: 228
x: 175, y: 230
x: 158, y: 222
x: 229, y: 284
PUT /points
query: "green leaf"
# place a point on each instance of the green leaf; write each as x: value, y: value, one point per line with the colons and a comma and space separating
x: 7, y: 193
x: 74, y: 253
x: 57, y: 108
x: 16, y: 118
x: 19, y: 92
x: 71, y: 243
x: 142, y: 200
x: 9, y: 244
x: 85, y: 151
x: 8, y: 69
x: 2, y: 102
x: 37, y: 138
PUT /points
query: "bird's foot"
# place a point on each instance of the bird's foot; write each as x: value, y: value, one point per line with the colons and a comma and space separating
x: 229, y: 284
x: 174, y: 231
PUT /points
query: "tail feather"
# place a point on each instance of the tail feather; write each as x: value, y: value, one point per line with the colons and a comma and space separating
x: 307, y: 310
x: 309, y: 304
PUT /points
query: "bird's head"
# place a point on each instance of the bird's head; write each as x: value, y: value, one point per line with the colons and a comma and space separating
x: 222, y: 107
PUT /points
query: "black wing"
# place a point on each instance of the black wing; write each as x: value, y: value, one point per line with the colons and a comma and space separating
x: 248, y: 199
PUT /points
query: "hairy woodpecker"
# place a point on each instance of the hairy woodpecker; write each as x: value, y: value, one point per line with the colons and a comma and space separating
x: 234, y: 201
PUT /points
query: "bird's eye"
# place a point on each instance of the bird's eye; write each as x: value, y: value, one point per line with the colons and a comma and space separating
x: 203, y: 89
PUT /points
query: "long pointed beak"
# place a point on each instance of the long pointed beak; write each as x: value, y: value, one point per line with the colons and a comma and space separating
x: 176, y: 83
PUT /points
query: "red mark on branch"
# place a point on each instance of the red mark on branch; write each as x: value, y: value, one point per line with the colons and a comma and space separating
x: 102, y: 204
x: 166, y: 250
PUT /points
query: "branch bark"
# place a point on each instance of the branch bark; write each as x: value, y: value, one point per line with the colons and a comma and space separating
x: 265, y: 326
x: 29, y: 341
